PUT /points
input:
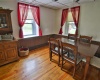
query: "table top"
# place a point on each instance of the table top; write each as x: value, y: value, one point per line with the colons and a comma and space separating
x: 83, y: 48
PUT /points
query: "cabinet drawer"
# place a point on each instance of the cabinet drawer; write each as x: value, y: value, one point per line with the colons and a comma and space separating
x: 10, y: 45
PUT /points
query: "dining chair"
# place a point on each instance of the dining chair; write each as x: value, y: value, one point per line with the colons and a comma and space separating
x: 74, y: 58
x: 54, y: 48
x: 85, y: 39
x: 72, y: 36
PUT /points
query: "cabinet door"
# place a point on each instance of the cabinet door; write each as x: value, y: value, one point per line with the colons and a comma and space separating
x: 2, y: 56
x: 11, y: 53
x: 5, y: 21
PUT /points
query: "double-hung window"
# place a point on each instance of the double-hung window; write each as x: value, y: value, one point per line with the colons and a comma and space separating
x: 30, y: 27
x: 70, y: 27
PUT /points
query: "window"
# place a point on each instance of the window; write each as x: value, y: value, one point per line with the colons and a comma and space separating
x: 30, y: 28
x: 71, y: 28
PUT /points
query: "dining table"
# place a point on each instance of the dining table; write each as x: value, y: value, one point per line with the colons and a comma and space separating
x: 84, y: 49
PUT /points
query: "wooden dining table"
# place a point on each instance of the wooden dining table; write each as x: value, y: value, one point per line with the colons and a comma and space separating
x: 86, y: 50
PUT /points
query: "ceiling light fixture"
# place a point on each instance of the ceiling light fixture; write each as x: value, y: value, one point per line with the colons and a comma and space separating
x: 77, y: 0
x: 54, y: 0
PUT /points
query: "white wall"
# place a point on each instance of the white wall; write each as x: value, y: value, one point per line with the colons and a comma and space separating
x: 47, y: 18
x: 58, y: 20
x: 89, y: 20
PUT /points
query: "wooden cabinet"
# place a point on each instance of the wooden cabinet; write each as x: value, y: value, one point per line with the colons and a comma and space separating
x: 8, y: 52
x: 5, y: 21
x: 2, y: 56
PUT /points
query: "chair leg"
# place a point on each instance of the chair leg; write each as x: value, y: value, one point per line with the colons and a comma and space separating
x: 58, y: 60
x: 99, y: 75
x: 62, y: 64
x: 50, y: 55
x: 74, y: 71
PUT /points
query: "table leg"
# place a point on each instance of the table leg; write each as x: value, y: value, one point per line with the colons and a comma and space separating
x: 86, y: 67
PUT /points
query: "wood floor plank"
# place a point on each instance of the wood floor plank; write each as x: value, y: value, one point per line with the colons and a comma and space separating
x: 37, y: 66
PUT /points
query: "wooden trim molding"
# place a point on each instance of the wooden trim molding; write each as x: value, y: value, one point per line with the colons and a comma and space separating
x: 36, y: 42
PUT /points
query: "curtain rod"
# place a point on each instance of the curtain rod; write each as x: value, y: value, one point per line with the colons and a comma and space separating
x: 25, y: 2
x: 29, y: 3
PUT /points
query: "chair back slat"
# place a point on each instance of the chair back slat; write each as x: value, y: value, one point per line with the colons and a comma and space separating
x: 86, y: 39
x: 53, y: 43
x: 72, y: 36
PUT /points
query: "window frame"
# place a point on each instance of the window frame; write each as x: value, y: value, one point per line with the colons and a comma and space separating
x: 32, y: 29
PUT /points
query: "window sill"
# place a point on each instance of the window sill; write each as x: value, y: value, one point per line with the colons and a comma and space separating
x: 30, y: 36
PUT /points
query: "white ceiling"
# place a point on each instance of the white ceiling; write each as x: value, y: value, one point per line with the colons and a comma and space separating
x: 55, y: 4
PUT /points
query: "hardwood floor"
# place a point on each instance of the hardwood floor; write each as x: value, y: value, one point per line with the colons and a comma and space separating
x: 37, y: 66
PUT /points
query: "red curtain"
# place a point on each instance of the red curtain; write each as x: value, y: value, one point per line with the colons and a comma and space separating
x: 75, y: 13
x: 22, y: 15
x: 36, y: 14
x: 63, y: 19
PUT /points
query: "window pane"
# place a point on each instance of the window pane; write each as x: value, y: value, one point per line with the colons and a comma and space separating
x: 72, y: 28
x: 29, y: 21
x: 27, y: 29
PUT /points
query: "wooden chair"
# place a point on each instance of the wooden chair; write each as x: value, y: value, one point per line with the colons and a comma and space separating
x: 85, y: 39
x: 73, y: 58
x: 54, y: 48
x: 72, y: 36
